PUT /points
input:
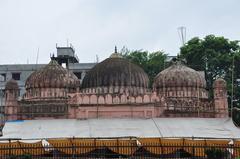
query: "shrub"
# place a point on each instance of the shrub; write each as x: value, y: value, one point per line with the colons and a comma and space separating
x: 214, y: 153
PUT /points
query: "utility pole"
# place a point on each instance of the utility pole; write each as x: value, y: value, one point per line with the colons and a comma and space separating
x: 232, y: 86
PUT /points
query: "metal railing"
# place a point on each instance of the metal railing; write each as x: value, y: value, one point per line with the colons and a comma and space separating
x: 119, y: 150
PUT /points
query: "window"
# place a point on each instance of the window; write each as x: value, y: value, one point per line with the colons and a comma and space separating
x: 3, y: 77
x: 78, y: 74
x: 16, y: 76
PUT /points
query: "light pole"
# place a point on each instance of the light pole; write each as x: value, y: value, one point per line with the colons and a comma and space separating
x: 232, y: 89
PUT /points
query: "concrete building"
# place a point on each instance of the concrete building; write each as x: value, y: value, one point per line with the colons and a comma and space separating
x: 66, y: 57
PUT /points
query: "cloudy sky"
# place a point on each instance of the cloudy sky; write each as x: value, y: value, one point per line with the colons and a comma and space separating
x: 94, y: 27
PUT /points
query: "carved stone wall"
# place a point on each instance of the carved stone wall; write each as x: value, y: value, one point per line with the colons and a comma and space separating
x: 113, y: 111
x: 11, y: 100
x: 220, y: 98
x: 109, y: 99
x: 38, y: 94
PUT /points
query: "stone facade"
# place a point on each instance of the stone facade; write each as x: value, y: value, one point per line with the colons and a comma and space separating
x: 115, y: 88
x: 220, y: 97
x: 11, y: 102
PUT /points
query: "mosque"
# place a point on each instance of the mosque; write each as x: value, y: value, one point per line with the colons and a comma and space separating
x: 113, y: 106
x: 115, y: 88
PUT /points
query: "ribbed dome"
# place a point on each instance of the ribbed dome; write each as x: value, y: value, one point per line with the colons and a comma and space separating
x: 11, y: 85
x: 116, y: 72
x: 179, y: 75
x: 52, y: 76
x: 219, y: 83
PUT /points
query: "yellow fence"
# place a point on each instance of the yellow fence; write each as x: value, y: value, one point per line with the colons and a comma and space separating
x: 21, y: 148
x: 123, y: 146
x: 237, y: 151
x: 81, y: 146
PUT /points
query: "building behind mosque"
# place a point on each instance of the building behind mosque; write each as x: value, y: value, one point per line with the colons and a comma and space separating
x: 66, y: 56
x: 114, y: 88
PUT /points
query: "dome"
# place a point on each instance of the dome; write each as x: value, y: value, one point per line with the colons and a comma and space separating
x: 52, y: 76
x: 11, y: 85
x: 219, y: 83
x: 179, y: 75
x: 116, y: 75
x: 179, y: 80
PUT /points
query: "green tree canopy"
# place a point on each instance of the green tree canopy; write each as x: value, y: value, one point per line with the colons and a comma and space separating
x: 214, y: 55
x: 151, y: 62
x: 218, y: 57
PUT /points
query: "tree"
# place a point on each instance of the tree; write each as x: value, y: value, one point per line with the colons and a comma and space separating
x: 156, y: 63
x: 216, y: 56
x: 152, y: 63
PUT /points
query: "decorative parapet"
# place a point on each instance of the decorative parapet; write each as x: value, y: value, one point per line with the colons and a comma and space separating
x: 109, y: 99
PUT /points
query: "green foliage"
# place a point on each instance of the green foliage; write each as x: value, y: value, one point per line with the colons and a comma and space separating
x: 152, y: 63
x: 211, y: 54
x: 215, y: 153
x: 236, y: 116
x: 156, y: 63
x: 215, y: 56
x: 25, y: 156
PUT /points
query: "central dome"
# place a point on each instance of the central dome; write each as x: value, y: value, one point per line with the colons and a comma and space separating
x: 115, y: 75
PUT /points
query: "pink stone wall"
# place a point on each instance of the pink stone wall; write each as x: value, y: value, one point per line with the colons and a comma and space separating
x: 41, y: 93
x: 220, y: 102
x: 108, y: 99
x: 85, y: 106
x: 92, y: 105
x: 106, y: 111
x: 11, y: 105
x: 115, y: 89
x: 220, y: 99
x: 183, y: 92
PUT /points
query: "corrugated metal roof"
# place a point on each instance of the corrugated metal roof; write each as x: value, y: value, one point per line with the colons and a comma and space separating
x: 156, y: 127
